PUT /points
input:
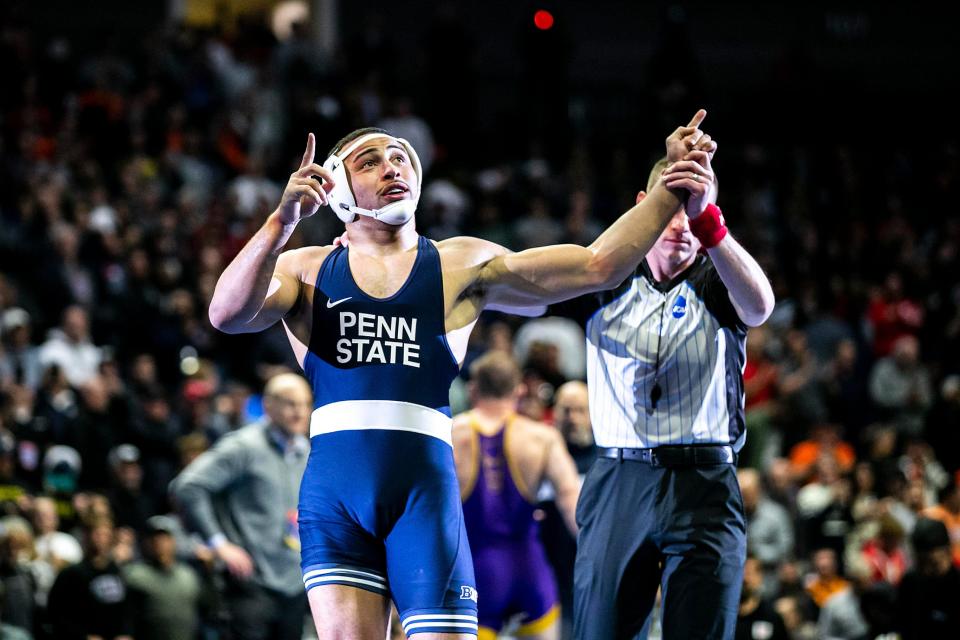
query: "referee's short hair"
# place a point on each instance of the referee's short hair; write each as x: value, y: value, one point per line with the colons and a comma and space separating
x: 655, y: 172
x: 494, y: 375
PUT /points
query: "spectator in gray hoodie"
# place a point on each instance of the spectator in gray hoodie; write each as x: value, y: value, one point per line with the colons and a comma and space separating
x: 241, y: 496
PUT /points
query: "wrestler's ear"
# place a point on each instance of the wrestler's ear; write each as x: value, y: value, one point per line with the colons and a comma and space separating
x: 640, y: 196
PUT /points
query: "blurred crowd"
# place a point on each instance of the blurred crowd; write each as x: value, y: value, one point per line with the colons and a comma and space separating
x: 131, y: 176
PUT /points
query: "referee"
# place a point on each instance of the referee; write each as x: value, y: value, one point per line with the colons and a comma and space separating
x: 665, y: 357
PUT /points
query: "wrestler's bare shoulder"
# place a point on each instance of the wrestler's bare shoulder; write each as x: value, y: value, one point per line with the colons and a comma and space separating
x: 533, y: 430
x: 462, y: 420
x: 304, y: 262
x: 467, y: 251
x: 462, y: 431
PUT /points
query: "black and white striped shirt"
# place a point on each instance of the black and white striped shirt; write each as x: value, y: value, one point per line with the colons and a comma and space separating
x: 690, y: 326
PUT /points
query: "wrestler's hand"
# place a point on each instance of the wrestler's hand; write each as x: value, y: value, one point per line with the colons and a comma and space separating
x: 694, y: 175
x: 708, y: 144
x: 304, y: 194
x: 238, y: 561
x: 685, y: 139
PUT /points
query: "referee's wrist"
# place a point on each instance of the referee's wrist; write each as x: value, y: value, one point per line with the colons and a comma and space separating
x: 709, y: 227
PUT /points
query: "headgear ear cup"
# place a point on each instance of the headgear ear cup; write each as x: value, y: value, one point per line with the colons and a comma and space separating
x: 341, y: 197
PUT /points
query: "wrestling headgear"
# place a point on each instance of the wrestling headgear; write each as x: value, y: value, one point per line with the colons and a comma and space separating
x: 341, y: 197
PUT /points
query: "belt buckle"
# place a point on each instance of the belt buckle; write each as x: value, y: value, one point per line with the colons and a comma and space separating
x: 653, y: 458
x: 694, y: 455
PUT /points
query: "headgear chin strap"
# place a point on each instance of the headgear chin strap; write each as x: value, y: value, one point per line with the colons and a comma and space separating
x: 341, y: 197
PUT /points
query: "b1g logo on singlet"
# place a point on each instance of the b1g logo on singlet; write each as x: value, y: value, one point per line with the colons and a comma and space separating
x: 468, y: 593
x: 368, y: 338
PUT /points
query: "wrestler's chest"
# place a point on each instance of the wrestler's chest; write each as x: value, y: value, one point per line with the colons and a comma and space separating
x: 381, y: 278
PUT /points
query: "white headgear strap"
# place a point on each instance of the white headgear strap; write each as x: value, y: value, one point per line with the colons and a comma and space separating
x: 341, y: 197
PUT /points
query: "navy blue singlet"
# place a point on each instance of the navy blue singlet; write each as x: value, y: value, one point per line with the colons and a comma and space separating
x: 379, y: 502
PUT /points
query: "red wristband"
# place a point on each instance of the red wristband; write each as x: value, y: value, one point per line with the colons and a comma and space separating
x: 709, y: 227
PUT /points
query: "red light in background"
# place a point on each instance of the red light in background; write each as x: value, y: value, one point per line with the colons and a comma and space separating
x: 543, y: 19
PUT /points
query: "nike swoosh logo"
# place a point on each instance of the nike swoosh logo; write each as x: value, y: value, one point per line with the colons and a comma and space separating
x: 331, y: 304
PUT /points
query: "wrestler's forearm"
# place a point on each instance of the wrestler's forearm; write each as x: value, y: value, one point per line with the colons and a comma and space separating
x: 245, y: 284
x: 623, y: 245
x: 561, y: 471
x: 567, y: 505
x: 544, y: 275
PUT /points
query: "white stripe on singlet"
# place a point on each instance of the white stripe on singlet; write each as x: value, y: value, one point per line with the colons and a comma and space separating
x: 381, y: 414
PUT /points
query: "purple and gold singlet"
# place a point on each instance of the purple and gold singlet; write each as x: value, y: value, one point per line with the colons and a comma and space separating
x: 510, y: 564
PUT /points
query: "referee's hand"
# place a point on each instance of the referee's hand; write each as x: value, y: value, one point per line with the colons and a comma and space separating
x: 694, y: 175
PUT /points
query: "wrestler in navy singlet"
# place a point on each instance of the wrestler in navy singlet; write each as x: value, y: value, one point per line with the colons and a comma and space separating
x: 379, y: 502
x: 511, y: 566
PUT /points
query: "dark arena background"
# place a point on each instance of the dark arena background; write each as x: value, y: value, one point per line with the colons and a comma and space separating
x: 142, y: 144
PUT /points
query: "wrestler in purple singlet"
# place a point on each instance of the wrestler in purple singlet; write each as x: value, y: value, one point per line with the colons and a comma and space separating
x: 511, y: 567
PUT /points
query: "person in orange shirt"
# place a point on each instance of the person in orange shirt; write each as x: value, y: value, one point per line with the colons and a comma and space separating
x: 948, y: 512
x: 825, y: 582
x: 824, y: 440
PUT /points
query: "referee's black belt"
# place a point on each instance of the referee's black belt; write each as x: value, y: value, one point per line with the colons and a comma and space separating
x: 674, y: 455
